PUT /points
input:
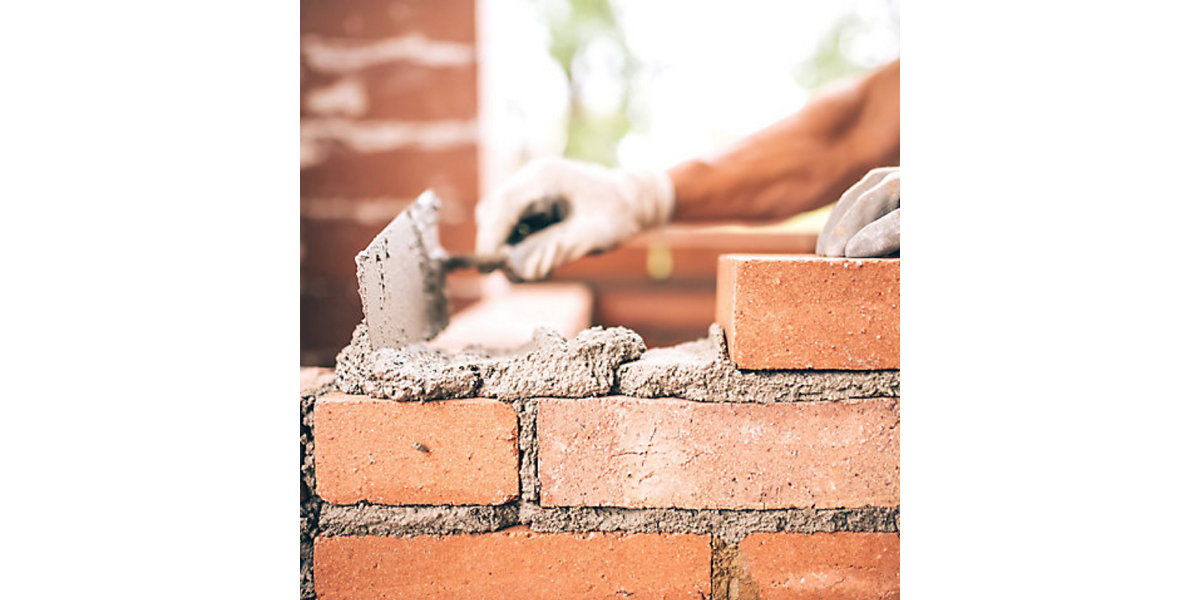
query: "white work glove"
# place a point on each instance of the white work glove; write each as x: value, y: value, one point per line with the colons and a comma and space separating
x: 865, y: 222
x: 601, y: 207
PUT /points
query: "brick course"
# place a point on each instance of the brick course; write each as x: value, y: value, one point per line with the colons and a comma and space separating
x: 825, y: 566
x: 391, y: 91
x: 809, y: 312
x: 452, y: 20
x: 515, y: 563
x: 444, y: 452
x: 665, y: 452
x: 403, y: 172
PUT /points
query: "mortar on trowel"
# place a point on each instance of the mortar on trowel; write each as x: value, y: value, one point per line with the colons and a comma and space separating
x: 402, y: 272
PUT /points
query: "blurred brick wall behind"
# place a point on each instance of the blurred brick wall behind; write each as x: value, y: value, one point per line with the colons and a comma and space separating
x: 389, y: 107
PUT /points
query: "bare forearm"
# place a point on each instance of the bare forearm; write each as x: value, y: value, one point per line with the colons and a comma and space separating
x: 800, y: 163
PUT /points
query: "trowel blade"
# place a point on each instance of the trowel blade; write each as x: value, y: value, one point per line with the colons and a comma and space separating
x: 401, y: 278
x: 483, y: 264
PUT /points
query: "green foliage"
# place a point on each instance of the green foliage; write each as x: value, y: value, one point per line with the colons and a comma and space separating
x: 830, y: 62
x: 594, y: 138
x: 573, y: 25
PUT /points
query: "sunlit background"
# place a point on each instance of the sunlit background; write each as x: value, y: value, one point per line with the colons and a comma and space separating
x: 649, y: 84
x: 398, y: 96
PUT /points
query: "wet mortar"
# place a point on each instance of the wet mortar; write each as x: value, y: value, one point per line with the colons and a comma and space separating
x: 597, y: 362
x: 701, y: 371
x: 548, y: 365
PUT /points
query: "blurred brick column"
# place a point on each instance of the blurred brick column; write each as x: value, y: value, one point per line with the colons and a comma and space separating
x: 389, y: 107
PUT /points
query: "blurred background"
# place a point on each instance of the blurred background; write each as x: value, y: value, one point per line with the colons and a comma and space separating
x: 402, y: 95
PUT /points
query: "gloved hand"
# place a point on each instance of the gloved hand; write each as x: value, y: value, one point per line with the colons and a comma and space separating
x: 866, y: 220
x: 600, y: 208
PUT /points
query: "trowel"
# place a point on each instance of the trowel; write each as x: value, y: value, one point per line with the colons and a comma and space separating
x: 402, y: 272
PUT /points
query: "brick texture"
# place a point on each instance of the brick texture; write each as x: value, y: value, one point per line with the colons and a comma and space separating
x: 451, y: 20
x: 630, y: 452
x: 445, y: 452
x: 808, y: 312
x: 401, y: 173
x: 515, y: 563
x: 825, y: 566
x: 339, y: 310
x: 329, y: 246
x: 412, y: 93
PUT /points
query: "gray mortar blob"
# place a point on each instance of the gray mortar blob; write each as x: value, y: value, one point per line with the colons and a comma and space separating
x: 414, y: 372
x: 548, y: 365
x: 584, y: 367
x: 702, y: 371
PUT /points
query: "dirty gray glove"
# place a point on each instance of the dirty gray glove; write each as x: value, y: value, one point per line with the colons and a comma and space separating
x: 596, y: 209
x: 866, y: 220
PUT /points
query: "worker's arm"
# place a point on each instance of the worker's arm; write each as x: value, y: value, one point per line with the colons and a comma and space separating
x: 800, y: 163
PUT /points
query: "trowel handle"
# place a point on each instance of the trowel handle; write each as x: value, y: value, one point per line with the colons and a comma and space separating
x: 537, y: 216
x: 484, y: 264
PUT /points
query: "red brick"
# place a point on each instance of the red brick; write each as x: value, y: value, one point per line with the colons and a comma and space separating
x: 809, y: 312
x: 386, y: 452
x: 406, y: 91
x: 422, y: 93
x: 449, y: 20
x: 329, y: 247
x: 400, y: 173
x: 630, y: 452
x: 515, y: 563
x: 328, y: 315
x: 825, y: 566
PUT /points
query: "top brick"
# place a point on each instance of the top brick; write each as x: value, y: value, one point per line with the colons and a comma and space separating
x: 810, y: 312
x: 447, y: 20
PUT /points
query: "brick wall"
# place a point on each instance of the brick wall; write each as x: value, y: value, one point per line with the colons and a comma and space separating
x: 389, y: 107
x: 792, y: 496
